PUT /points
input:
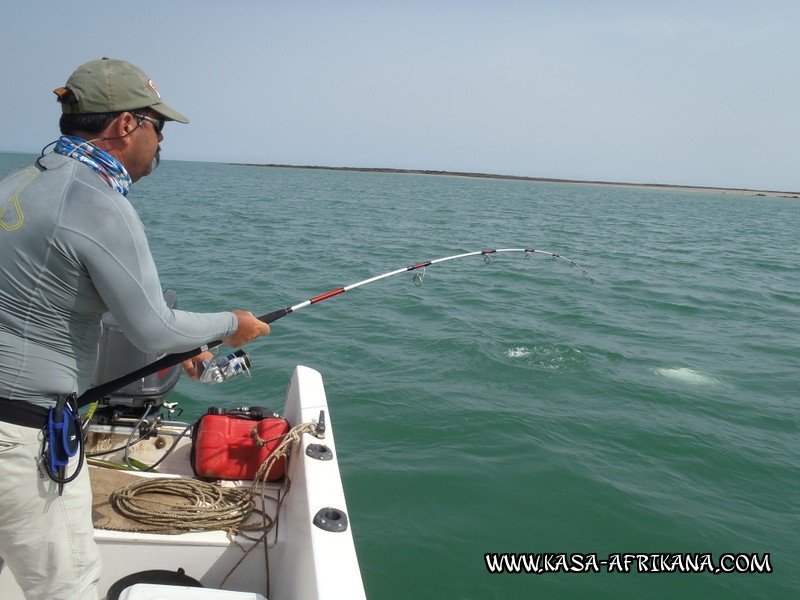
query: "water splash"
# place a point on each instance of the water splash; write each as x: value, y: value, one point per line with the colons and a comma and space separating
x: 518, y: 352
x: 546, y: 357
x: 687, y: 375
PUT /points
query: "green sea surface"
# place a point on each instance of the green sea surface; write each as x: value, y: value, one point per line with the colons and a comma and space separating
x: 518, y: 406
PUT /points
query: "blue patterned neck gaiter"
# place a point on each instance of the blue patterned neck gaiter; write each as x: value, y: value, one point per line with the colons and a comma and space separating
x: 101, y: 162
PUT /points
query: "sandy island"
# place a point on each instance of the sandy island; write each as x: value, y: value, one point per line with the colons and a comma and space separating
x: 687, y: 188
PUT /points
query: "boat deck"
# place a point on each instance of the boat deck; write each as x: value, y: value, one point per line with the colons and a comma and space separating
x: 309, y: 555
x: 214, y: 557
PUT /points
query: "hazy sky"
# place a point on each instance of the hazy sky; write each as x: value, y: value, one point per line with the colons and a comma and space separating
x: 695, y: 92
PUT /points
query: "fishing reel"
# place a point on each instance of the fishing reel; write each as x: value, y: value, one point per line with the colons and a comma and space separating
x: 226, y: 367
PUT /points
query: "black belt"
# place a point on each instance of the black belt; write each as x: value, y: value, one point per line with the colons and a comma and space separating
x: 25, y: 414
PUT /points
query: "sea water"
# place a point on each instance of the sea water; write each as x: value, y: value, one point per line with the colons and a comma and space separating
x: 518, y: 407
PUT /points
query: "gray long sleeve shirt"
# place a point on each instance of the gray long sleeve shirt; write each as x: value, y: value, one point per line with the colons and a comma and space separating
x: 72, y: 248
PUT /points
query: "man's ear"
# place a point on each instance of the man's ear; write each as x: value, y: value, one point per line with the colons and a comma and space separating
x: 127, y: 123
x: 119, y: 129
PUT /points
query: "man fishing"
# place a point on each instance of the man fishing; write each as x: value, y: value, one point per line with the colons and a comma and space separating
x: 71, y: 248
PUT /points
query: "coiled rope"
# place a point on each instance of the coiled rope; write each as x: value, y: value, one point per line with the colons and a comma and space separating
x: 207, y: 506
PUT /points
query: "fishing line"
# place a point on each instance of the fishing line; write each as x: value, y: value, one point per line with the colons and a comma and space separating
x: 98, y: 392
x: 273, y: 316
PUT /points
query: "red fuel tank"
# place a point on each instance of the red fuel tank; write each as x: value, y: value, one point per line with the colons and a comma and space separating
x: 226, y: 447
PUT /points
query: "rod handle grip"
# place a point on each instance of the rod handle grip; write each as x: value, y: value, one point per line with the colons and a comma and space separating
x: 274, y: 315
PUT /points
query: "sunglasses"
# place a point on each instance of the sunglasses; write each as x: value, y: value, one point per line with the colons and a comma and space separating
x: 158, y: 124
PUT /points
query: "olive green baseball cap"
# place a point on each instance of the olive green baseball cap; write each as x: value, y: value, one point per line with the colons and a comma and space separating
x: 110, y: 85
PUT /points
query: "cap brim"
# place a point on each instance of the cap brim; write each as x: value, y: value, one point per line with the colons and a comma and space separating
x: 169, y: 113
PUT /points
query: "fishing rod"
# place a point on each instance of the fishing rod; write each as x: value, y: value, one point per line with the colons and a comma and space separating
x: 170, y: 360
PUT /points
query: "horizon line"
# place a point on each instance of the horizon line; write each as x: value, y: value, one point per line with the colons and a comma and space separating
x: 517, y: 178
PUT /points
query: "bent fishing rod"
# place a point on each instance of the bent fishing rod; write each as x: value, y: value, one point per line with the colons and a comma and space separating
x: 170, y: 360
